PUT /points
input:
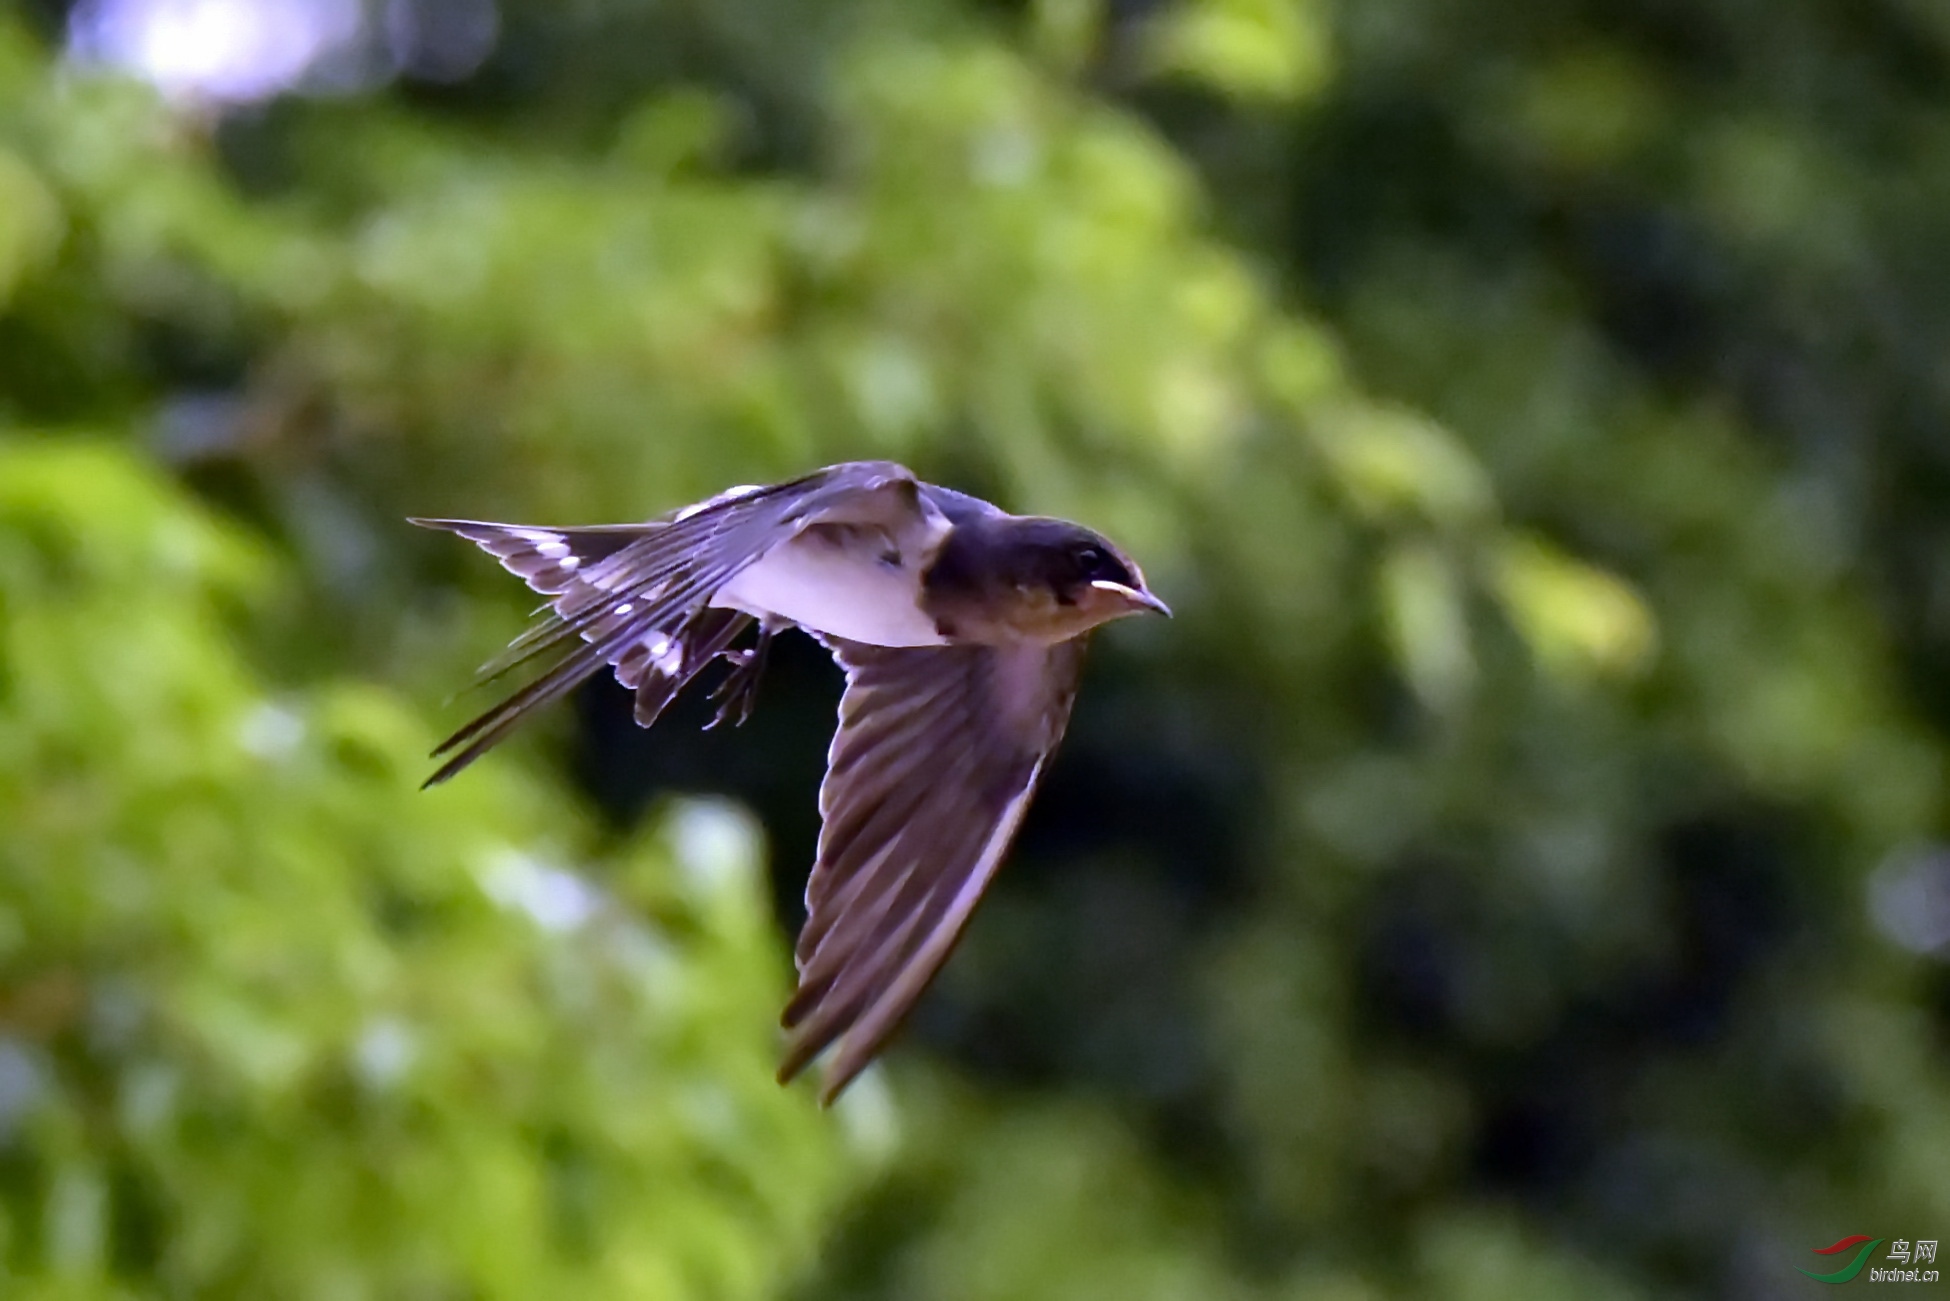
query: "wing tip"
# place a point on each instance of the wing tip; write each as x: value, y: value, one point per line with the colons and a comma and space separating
x: 449, y: 770
x: 799, y: 1054
x: 832, y: 1082
x: 841, y: 1074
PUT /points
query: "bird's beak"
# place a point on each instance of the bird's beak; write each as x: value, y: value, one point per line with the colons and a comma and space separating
x: 1136, y: 598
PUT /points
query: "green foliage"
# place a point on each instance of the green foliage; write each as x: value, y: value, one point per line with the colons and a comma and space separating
x: 1532, y: 414
x: 279, y: 1025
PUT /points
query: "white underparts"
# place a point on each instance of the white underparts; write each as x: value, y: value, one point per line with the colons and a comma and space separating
x: 849, y: 587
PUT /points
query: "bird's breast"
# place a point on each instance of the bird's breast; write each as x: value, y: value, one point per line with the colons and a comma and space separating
x: 850, y: 582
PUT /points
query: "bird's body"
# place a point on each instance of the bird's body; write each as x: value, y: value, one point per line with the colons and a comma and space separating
x: 857, y: 582
x: 961, y: 630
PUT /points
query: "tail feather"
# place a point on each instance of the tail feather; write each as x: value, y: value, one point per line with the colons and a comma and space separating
x: 547, y: 559
x: 624, y: 595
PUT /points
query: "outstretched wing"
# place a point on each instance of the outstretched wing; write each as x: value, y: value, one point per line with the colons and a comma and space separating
x: 636, y: 596
x: 938, y: 752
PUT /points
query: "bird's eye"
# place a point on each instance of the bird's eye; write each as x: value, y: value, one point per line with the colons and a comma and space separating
x: 1094, y: 563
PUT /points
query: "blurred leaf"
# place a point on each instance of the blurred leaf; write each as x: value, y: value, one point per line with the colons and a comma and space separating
x: 1392, y: 462
x: 30, y: 222
x: 1255, y: 49
x: 1480, y: 1257
x: 1593, y: 108
x: 1579, y: 621
x: 1424, y: 606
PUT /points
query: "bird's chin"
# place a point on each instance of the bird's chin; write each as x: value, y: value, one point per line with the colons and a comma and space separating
x: 1040, y: 614
x: 1099, y: 604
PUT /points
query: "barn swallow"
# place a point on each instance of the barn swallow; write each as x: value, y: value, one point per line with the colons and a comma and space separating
x: 961, y: 631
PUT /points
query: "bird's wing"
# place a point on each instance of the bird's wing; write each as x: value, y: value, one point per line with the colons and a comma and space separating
x: 636, y: 596
x: 937, y: 755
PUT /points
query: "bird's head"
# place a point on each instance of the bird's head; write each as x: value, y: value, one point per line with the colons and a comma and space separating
x: 1013, y: 577
x: 1072, y: 579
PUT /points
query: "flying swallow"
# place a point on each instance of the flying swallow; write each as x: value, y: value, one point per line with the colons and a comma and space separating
x: 961, y: 630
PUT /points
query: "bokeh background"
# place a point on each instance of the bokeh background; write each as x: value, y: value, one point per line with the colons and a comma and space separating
x: 1517, y: 873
